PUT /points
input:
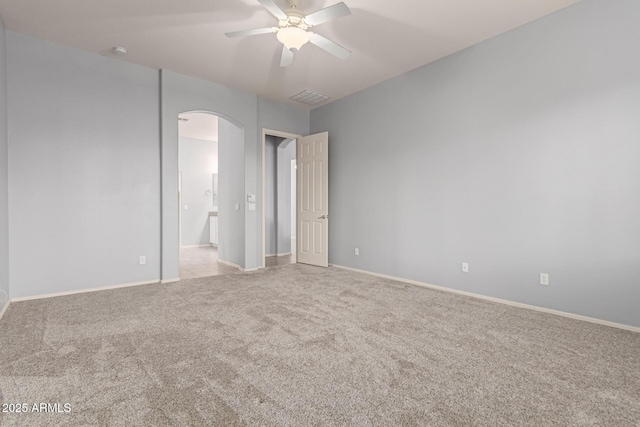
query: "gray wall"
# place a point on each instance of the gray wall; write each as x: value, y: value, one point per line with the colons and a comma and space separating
x: 282, y: 117
x: 84, y: 177
x: 87, y: 156
x: 519, y: 155
x: 4, y: 176
x: 248, y: 111
x: 231, y: 222
x: 198, y: 161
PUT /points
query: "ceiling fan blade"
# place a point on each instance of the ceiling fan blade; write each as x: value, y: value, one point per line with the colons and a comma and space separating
x: 287, y: 57
x: 327, y: 14
x: 250, y: 32
x: 329, y: 46
x: 274, y: 9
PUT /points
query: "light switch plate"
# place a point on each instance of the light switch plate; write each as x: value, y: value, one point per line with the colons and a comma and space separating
x: 251, y: 198
x: 252, y: 206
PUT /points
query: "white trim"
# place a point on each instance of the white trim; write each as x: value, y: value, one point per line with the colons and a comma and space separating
x: 208, y: 245
x: 170, y: 280
x: 243, y: 270
x: 280, y: 134
x: 82, y: 291
x: 498, y: 300
x: 282, y: 254
x: 4, y: 309
x: 230, y: 264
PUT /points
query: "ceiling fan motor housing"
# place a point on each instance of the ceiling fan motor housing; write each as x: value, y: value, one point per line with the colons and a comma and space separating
x: 295, y: 18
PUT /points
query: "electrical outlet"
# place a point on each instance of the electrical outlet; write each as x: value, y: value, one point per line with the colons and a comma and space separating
x: 143, y: 260
x: 357, y: 251
x: 465, y: 267
x: 544, y: 279
x: 237, y: 206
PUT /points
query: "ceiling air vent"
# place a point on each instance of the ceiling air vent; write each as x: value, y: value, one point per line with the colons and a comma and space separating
x: 309, y: 97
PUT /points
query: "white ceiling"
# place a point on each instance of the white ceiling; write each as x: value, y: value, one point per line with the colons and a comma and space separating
x: 387, y: 37
x: 199, y: 126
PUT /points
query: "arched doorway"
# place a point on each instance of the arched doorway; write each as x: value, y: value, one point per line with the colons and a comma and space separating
x: 208, y: 237
x: 187, y: 213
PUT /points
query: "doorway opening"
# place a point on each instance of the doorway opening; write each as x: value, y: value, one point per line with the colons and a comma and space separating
x: 279, y: 198
x: 199, y: 197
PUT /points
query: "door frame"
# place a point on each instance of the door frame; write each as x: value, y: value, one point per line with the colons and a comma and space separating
x: 179, y: 205
x: 279, y: 134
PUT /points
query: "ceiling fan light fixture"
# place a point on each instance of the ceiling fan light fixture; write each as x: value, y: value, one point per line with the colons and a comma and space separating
x: 293, y: 37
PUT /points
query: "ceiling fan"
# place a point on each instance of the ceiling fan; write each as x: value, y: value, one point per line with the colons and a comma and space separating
x: 293, y: 25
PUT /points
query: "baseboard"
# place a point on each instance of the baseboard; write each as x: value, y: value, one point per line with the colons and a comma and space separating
x: 208, y: 245
x: 230, y: 264
x: 170, y: 280
x: 282, y: 254
x: 82, y: 291
x: 242, y: 269
x: 498, y: 300
x: 4, y: 309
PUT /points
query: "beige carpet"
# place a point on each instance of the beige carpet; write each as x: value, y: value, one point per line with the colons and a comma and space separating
x: 297, y: 345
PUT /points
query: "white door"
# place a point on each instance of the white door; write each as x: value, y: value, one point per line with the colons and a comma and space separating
x: 312, y: 154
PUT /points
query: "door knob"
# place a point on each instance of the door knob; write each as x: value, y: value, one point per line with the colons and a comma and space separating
x: 323, y: 217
